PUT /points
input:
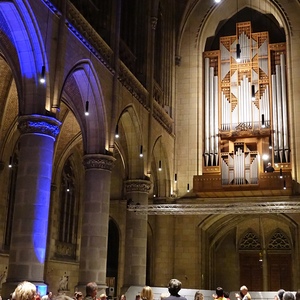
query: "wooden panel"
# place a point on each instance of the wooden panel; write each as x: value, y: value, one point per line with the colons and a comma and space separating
x: 251, y: 273
x: 280, y: 272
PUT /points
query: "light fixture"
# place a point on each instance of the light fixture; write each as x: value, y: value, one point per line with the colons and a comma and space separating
x: 86, y: 108
x: 238, y: 52
x: 217, y: 1
x: 263, y: 121
x: 68, y: 189
x: 10, y: 162
x: 141, y: 151
x: 117, y: 132
x: 260, y: 257
x: 284, y: 185
x: 280, y: 173
x: 253, y: 92
x: 159, y: 165
x: 270, y: 142
x: 188, y: 187
x: 265, y: 156
x: 175, y: 177
x: 42, y: 78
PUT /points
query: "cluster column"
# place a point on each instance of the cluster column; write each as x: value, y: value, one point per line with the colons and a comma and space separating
x: 32, y: 199
x: 136, y: 234
x: 95, y: 220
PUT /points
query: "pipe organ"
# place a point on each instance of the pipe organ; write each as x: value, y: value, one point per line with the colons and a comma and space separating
x: 245, y: 106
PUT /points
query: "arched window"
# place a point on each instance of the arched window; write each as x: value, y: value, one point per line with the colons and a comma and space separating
x: 68, y: 213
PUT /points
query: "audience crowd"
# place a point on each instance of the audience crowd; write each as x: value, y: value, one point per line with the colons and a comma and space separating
x: 28, y: 291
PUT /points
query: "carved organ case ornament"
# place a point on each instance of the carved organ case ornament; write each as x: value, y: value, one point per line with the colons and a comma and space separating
x: 245, y: 106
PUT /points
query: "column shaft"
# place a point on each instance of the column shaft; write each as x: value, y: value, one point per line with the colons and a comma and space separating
x: 32, y: 199
x: 136, y: 235
x: 95, y: 219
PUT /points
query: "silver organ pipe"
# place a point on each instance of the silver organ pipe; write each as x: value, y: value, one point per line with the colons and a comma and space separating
x: 225, y: 172
x: 247, y: 168
x: 206, y: 108
x: 211, y: 111
x: 279, y: 113
x: 216, y: 119
x: 275, y: 122
x: 284, y: 107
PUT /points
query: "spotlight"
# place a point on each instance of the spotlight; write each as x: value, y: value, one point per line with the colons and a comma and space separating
x: 117, y: 132
x: 141, y: 151
x: 159, y: 165
x: 86, y: 108
x: 263, y: 121
x: 42, y: 78
x: 238, y: 52
x: 253, y: 92
x: 10, y: 162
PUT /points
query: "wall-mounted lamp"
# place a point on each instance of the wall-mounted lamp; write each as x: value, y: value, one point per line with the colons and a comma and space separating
x: 260, y: 257
x: 117, y: 132
x: 238, y: 52
x: 188, y: 187
x: 284, y: 185
x: 175, y: 177
x: 42, y: 78
x: 159, y: 165
x: 10, y: 162
x: 280, y: 173
x: 253, y: 92
x: 141, y: 151
x: 263, y: 121
x: 68, y: 188
x: 86, y: 108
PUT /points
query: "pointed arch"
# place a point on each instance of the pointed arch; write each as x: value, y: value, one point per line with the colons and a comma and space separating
x: 82, y: 85
x: 24, y: 50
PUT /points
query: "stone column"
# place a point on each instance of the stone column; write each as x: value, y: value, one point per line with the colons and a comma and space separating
x: 95, y: 219
x: 32, y: 199
x: 163, y: 257
x: 136, y: 234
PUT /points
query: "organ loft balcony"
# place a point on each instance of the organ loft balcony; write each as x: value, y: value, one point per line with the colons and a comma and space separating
x: 238, y: 168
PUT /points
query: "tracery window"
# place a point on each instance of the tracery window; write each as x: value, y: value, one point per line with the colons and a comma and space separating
x: 68, y: 220
x: 250, y: 242
x: 279, y: 241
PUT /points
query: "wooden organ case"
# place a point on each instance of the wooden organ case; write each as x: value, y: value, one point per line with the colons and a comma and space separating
x: 245, y: 115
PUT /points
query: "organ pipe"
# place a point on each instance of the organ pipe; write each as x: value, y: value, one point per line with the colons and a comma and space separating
x: 211, y: 109
x: 206, y: 105
x: 284, y: 103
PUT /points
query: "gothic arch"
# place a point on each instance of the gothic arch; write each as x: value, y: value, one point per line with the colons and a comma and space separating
x: 19, y: 25
x: 230, y: 238
x: 130, y: 141
x: 82, y: 91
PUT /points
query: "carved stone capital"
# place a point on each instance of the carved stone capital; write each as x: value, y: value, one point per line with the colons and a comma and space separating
x: 39, y: 124
x: 153, y: 23
x: 137, y: 185
x: 98, y: 161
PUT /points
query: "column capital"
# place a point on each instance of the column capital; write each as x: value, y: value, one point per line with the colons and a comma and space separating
x: 39, y: 124
x: 137, y: 185
x: 98, y: 161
